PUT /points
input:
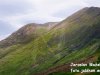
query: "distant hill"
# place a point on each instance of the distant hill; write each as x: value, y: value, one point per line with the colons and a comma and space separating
x: 38, y: 49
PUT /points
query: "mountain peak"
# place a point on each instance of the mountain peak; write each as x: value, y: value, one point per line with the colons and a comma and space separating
x: 93, y: 10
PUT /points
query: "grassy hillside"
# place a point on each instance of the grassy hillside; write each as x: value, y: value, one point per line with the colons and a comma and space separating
x: 74, y: 39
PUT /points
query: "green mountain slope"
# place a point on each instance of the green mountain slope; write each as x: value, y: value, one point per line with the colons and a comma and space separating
x: 23, y: 36
x: 74, y: 39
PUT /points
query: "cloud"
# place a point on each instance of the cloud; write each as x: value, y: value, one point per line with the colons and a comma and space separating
x: 14, y: 7
x: 4, y: 36
x: 93, y: 2
x: 18, y: 12
x: 5, y: 27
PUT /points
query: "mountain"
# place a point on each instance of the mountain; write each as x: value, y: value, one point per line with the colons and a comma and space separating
x: 26, y: 33
x: 40, y: 49
x: 84, y: 23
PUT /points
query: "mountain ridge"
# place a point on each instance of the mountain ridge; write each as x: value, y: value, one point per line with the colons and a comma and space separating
x: 26, y: 33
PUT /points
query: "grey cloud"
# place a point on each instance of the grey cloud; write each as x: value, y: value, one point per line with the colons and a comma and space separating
x: 64, y: 13
x: 5, y: 28
x: 9, y: 7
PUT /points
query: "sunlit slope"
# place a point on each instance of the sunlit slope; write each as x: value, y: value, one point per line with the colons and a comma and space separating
x: 76, y: 37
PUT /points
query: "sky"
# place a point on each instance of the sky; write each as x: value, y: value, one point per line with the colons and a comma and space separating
x: 16, y: 13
